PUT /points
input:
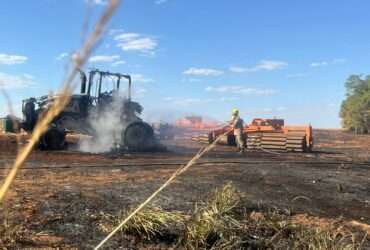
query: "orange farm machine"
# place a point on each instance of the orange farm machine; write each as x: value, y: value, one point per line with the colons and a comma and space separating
x: 266, y: 134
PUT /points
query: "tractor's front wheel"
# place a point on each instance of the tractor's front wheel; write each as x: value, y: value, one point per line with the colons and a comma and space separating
x: 53, y: 139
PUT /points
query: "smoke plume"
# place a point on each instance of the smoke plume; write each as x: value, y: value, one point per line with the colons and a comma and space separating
x: 106, y: 127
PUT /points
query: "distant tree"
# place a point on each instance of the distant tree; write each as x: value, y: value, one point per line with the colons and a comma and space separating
x: 355, y: 109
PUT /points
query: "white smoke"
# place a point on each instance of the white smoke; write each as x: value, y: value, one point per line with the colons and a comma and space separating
x: 172, y: 115
x: 107, y: 128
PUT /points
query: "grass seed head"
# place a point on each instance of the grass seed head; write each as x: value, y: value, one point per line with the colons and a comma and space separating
x: 154, y: 221
x: 213, y: 220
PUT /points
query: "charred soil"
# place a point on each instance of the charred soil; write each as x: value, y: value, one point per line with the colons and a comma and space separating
x: 62, y: 199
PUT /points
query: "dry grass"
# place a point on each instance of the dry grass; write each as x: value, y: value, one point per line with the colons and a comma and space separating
x: 213, y: 221
x: 223, y: 222
x: 275, y: 230
x: 316, y: 239
x: 154, y: 222
x: 11, y: 233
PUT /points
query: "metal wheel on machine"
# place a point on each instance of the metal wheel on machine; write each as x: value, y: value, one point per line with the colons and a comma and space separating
x: 138, y: 136
x: 53, y: 139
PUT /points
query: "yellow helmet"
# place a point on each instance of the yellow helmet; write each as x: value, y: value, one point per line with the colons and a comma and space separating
x: 235, y: 111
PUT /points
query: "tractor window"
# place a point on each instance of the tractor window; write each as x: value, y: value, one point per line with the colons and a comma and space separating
x: 105, y: 83
x: 123, y: 88
x: 94, y: 88
x: 108, y: 84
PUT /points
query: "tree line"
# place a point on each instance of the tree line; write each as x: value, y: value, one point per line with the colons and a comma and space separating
x: 355, y: 109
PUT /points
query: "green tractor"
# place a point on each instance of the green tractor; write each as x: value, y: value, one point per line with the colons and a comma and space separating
x: 97, y: 94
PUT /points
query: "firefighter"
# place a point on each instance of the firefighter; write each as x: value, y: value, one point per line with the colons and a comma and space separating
x: 238, y: 124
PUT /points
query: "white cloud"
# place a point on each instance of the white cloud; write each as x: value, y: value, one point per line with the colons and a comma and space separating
x: 8, y: 81
x: 319, y: 64
x: 118, y: 63
x: 140, y: 78
x: 270, y: 65
x: 141, y: 44
x: 126, y: 36
x: 98, y: 2
x: 267, y: 65
x: 240, y: 90
x: 61, y: 56
x: 12, y: 59
x: 136, y: 42
x: 64, y: 55
x: 203, y: 72
x: 161, y: 1
x: 326, y: 63
x: 104, y: 58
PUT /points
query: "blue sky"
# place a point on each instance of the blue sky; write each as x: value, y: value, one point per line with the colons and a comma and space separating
x: 287, y: 59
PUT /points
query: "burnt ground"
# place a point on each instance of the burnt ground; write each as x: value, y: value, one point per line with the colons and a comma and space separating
x: 60, y: 197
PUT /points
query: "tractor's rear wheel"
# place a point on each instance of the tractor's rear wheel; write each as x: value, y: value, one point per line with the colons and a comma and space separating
x: 138, y: 136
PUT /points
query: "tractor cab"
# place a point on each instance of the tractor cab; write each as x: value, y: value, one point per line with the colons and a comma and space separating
x: 101, y: 85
